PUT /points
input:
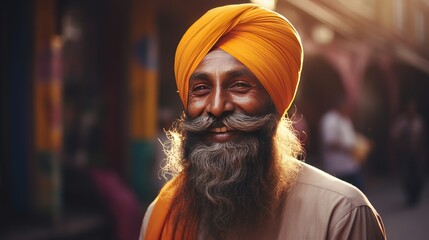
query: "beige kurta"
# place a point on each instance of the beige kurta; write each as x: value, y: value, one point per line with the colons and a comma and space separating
x: 318, y: 206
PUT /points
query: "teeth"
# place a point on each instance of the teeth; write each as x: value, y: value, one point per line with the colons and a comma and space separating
x: 219, y: 130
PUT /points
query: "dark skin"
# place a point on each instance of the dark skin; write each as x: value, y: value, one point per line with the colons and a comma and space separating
x: 221, y: 85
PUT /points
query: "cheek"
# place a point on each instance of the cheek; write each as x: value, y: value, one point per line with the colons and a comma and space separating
x: 195, y: 108
x: 256, y: 105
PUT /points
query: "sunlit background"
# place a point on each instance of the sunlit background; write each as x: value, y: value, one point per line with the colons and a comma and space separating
x: 87, y: 87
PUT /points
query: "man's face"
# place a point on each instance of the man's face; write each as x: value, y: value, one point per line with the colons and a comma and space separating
x: 222, y: 85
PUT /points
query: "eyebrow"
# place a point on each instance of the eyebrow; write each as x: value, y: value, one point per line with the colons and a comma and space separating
x: 230, y: 74
x: 239, y: 73
x: 199, y: 75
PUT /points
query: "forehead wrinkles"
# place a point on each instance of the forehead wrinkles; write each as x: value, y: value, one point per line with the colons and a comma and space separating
x: 229, y: 67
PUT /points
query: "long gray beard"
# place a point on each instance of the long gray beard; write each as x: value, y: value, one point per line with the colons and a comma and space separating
x: 230, y: 184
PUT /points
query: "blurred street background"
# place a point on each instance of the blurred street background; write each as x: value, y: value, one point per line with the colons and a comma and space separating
x: 401, y: 221
x: 87, y: 87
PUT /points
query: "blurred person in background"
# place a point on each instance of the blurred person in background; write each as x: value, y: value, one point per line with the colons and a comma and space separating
x: 91, y: 188
x: 409, y: 139
x: 343, y: 149
x: 233, y: 152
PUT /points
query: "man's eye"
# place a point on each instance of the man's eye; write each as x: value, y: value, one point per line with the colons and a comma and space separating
x: 199, y: 89
x: 240, y: 85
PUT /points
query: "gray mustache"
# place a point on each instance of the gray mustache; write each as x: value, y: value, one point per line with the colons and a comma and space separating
x: 234, y: 121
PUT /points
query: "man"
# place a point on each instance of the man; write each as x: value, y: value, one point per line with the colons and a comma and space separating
x: 233, y: 153
x: 339, y: 140
x: 409, y: 143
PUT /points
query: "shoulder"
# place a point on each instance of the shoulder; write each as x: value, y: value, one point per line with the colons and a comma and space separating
x: 149, y: 211
x: 146, y: 218
x: 325, y: 196
x: 335, y: 203
x: 159, y: 208
x: 317, y: 182
x: 321, y: 205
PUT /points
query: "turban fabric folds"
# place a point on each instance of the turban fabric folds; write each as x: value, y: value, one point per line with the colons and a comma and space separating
x: 264, y: 41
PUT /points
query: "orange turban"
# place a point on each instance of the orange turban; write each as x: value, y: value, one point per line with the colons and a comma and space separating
x: 264, y: 41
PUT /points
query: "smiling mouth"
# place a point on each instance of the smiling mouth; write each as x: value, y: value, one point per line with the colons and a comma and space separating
x: 221, y: 134
x: 219, y: 130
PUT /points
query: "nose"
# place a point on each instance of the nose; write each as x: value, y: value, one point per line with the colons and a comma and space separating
x: 219, y: 103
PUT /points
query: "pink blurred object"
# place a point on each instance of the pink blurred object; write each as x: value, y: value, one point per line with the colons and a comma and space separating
x: 122, y: 203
